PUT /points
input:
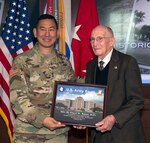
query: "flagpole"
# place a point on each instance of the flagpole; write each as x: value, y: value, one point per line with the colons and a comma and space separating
x: 61, y: 23
x: 87, y: 137
x: 48, y: 7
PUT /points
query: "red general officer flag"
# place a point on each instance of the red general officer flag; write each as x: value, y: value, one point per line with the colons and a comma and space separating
x: 87, y: 19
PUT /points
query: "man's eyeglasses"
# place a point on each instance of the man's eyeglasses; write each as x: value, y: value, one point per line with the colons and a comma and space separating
x: 98, y: 39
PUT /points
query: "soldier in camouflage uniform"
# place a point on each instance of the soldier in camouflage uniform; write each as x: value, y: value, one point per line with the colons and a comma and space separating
x: 32, y: 80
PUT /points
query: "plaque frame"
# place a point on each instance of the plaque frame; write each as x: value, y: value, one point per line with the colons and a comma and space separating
x: 78, y: 103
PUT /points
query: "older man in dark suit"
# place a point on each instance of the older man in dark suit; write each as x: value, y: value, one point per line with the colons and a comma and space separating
x: 120, y: 72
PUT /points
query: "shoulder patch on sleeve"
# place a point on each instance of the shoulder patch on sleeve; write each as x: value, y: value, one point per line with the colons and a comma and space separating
x: 13, y: 72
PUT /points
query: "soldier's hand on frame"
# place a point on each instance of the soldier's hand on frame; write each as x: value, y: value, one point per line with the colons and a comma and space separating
x: 51, y: 123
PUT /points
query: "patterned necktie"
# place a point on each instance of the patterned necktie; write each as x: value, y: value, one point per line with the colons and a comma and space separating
x: 101, y: 67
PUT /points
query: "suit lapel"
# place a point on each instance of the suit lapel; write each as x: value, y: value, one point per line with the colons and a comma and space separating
x: 113, y: 71
x: 112, y: 74
x: 93, y: 70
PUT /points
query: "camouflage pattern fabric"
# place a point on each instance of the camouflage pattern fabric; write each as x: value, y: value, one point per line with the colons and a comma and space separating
x: 25, y: 138
x: 31, y: 89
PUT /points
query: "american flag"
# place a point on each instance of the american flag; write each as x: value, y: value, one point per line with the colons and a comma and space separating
x: 15, y: 39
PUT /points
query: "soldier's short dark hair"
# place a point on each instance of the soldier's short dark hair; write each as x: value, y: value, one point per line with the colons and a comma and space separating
x: 47, y: 16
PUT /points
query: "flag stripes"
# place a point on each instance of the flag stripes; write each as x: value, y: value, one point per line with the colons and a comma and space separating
x: 15, y: 39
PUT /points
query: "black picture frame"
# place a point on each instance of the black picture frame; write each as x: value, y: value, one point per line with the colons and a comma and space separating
x: 78, y: 103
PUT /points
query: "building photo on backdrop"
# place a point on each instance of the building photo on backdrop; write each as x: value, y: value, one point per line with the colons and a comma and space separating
x: 131, y: 25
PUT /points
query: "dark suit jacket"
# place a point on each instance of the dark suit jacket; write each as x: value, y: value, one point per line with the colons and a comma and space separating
x: 125, y: 97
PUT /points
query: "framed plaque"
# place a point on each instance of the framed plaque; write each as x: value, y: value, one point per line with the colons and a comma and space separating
x: 79, y: 104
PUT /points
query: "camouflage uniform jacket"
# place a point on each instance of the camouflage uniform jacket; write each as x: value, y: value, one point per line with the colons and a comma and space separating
x: 32, y: 89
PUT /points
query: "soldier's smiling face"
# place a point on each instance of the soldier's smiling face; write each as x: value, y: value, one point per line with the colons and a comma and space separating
x: 46, y: 33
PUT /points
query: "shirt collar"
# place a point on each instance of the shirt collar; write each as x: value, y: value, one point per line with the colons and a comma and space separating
x: 106, y: 59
